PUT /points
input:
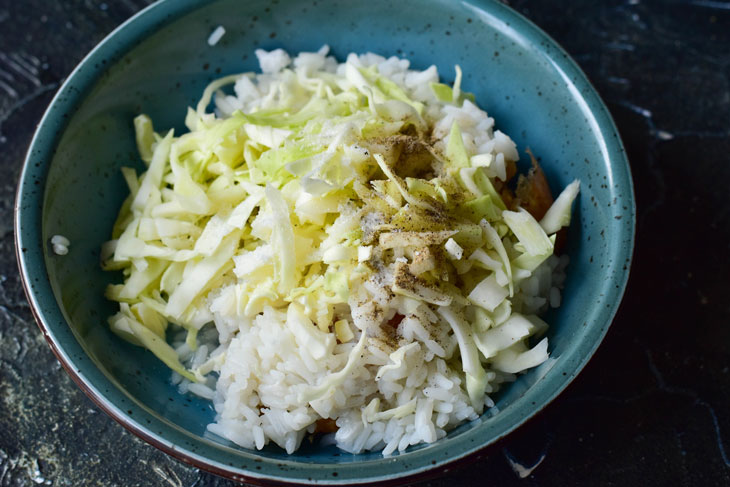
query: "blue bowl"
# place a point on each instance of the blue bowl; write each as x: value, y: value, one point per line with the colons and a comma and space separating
x: 158, y: 63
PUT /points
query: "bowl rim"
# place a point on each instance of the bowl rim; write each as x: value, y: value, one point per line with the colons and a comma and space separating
x: 45, y: 308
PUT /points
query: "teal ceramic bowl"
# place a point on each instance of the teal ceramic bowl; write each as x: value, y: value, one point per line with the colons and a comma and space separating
x: 158, y: 63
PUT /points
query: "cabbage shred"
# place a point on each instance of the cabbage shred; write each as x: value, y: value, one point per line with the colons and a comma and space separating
x: 334, y: 185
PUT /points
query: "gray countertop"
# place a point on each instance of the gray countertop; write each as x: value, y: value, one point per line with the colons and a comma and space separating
x: 651, y: 408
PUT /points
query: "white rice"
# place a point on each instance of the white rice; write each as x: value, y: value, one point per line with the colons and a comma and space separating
x: 262, y: 371
x: 216, y: 35
x: 60, y: 244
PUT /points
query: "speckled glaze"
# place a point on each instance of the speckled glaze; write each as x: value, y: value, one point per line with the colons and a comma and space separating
x: 158, y: 63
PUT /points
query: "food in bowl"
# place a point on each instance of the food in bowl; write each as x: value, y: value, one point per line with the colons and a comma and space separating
x: 338, y: 250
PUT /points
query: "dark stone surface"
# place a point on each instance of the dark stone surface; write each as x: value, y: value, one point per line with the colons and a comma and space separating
x: 651, y: 408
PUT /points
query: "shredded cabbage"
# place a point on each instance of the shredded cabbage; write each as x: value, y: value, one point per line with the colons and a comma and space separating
x: 336, y: 191
x: 558, y: 215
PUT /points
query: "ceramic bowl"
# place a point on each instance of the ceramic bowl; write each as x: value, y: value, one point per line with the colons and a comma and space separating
x: 158, y: 63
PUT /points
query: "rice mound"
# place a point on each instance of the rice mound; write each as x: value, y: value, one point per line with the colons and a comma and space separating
x: 390, y: 365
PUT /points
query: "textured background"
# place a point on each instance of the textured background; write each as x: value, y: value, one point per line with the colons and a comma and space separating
x: 651, y: 408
